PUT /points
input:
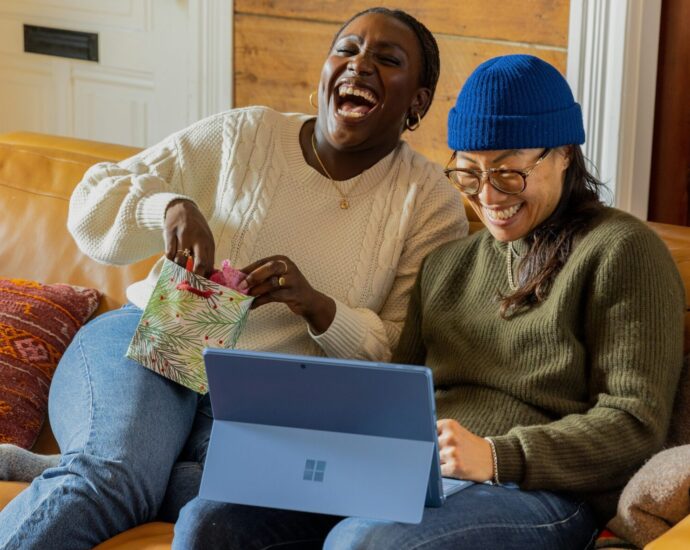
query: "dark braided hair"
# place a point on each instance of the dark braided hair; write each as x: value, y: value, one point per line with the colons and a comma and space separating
x: 552, y: 242
x: 431, y: 60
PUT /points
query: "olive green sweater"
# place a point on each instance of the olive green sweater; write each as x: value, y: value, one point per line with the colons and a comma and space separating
x: 576, y: 392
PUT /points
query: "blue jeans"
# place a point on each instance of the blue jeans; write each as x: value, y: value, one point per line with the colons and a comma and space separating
x: 133, y: 444
x: 205, y: 524
x: 185, y: 477
x: 120, y: 428
x: 479, y: 517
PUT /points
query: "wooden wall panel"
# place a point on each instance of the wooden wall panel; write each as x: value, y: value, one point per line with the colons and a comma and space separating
x: 281, y: 71
x: 533, y: 21
x: 278, y: 63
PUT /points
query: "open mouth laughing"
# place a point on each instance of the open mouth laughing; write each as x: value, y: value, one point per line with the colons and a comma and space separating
x: 503, y: 214
x: 354, y: 101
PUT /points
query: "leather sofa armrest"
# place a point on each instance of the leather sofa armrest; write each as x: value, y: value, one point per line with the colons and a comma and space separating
x: 64, y: 146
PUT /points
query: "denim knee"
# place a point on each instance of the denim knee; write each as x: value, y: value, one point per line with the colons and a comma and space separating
x: 358, y: 534
x: 113, y: 485
x: 183, y: 487
x: 191, y: 524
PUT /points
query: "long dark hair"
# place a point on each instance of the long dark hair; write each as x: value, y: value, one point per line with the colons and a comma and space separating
x: 431, y: 60
x: 551, y: 243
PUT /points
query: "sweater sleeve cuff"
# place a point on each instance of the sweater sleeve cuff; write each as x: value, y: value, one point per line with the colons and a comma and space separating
x: 510, y: 459
x: 345, y: 336
x: 151, y: 209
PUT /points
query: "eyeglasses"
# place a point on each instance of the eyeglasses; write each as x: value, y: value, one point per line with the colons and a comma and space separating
x: 510, y: 182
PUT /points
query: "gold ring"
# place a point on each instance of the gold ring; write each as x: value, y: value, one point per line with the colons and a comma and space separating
x: 284, y: 265
x: 281, y: 280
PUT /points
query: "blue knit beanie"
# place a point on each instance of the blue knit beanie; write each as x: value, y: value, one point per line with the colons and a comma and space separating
x: 514, y: 102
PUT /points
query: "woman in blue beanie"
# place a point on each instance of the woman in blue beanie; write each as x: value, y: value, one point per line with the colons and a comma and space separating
x: 555, y: 336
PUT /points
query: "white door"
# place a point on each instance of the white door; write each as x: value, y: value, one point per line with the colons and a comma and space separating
x: 152, y: 77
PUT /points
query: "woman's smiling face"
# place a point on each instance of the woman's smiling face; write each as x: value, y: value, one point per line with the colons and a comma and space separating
x: 370, y: 83
x: 511, y: 217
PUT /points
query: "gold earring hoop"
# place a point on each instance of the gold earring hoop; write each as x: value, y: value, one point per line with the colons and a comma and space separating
x: 311, y: 99
x: 413, y: 127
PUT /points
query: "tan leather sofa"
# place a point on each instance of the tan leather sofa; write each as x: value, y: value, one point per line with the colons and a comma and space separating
x: 37, y: 175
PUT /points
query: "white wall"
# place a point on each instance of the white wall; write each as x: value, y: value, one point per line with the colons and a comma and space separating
x: 163, y: 64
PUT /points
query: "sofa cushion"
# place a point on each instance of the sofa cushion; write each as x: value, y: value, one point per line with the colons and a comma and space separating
x: 150, y: 536
x: 37, y: 177
x: 677, y: 239
x: 37, y: 322
x: 679, y: 431
x: 9, y: 490
x: 675, y: 539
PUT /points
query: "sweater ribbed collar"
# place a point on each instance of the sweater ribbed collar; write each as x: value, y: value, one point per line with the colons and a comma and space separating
x: 303, y: 174
x: 520, y: 246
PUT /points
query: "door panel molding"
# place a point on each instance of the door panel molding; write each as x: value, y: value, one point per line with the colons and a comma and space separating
x: 27, y: 89
x: 612, y: 64
x: 133, y: 15
x: 169, y: 62
x: 103, y: 105
x: 212, y: 45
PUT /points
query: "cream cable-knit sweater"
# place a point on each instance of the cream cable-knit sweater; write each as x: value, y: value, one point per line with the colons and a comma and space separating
x: 246, y: 172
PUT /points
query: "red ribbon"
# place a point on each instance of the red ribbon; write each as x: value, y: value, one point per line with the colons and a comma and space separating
x: 184, y: 285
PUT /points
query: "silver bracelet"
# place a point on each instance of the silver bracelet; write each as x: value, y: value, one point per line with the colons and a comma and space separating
x: 495, y: 459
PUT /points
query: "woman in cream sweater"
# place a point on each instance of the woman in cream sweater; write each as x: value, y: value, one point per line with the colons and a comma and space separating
x: 330, y: 216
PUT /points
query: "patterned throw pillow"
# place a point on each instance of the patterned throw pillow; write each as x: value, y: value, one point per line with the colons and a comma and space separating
x: 37, y: 322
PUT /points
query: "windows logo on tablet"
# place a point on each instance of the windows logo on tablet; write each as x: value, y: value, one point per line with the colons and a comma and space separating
x: 314, y: 470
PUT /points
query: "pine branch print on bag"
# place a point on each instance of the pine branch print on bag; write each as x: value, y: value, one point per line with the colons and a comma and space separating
x: 185, y: 314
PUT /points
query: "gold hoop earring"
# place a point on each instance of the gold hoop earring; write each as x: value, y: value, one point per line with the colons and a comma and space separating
x: 311, y: 99
x: 413, y: 127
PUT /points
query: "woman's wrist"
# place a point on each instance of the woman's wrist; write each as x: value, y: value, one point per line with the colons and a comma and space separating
x: 177, y: 201
x: 494, y: 458
x: 321, y: 313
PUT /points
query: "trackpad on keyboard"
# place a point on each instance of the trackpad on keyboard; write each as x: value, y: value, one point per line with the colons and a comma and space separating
x: 452, y: 485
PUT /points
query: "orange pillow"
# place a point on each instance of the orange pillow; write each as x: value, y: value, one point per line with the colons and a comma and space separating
x: 37, y: 322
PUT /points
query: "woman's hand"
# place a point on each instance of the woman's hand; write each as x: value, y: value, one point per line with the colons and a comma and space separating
x: 187, y: 234
x: 278, y: 279
x: 463, y: 454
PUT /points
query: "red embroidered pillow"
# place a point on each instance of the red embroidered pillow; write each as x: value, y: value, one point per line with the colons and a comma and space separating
x: 37, y: 322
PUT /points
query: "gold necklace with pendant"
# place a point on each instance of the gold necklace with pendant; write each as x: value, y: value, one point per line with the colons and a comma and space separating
x: 344, y: 201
